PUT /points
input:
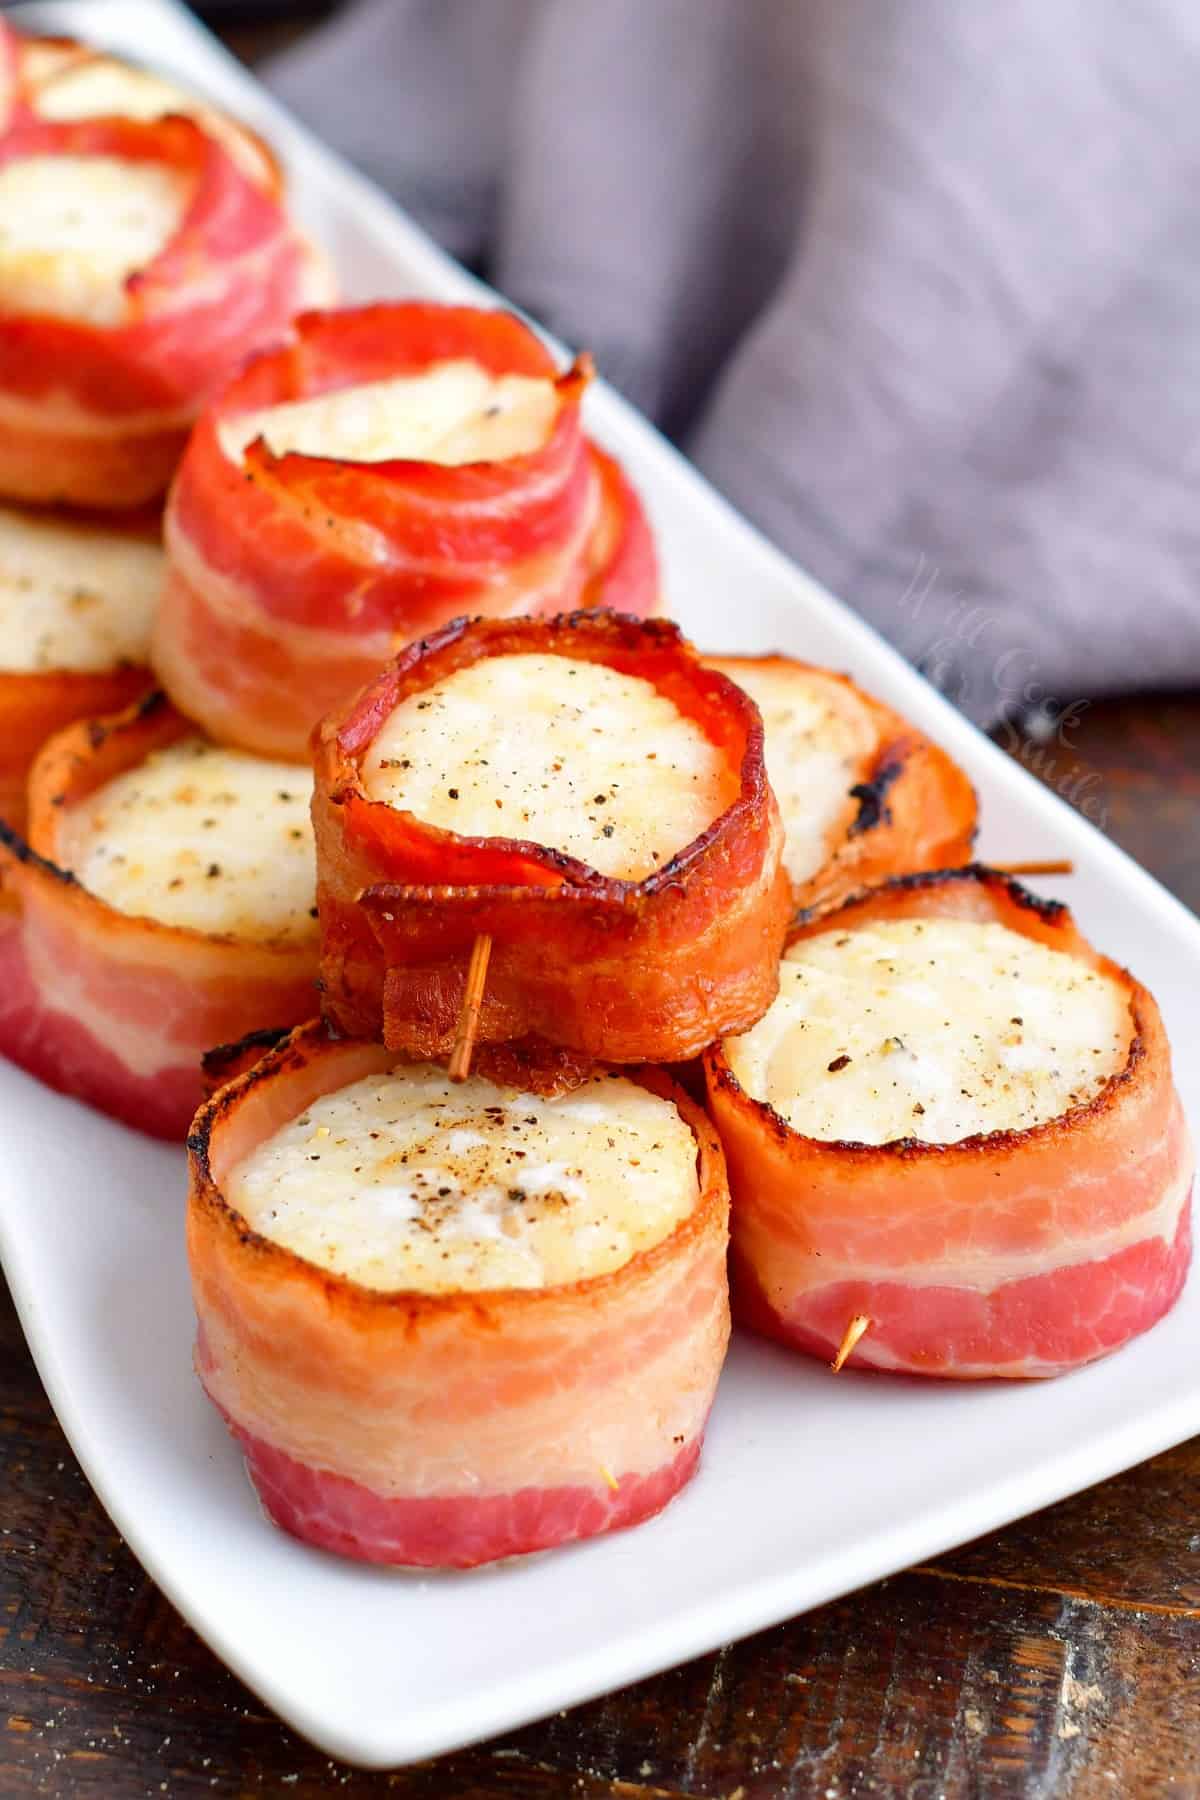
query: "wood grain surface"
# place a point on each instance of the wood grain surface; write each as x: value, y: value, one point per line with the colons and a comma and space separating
x: 1060, y: 1657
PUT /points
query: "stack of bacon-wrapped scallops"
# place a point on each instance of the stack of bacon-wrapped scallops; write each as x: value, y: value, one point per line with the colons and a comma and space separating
x: 145, y: 247
x: 620, y: 952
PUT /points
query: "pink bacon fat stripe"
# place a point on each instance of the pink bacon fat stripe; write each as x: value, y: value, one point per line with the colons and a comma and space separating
x: 114, y: 1009
x: 1012, y: 1253
x: 293, y: 578
x: 451, y: 1429
x: 98, y: 415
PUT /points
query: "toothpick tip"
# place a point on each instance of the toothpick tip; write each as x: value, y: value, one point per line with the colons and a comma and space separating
x: 853, y: 1333
x: 1050, y: 866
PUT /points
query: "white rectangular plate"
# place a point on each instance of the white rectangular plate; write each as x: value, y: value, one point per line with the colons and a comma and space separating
x: 809, y: 1487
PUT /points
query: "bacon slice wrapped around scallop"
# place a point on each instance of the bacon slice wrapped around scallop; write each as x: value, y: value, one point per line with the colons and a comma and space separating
x: 77, y: 596
x: 954, y: 1139
x: 139, y: 263
x: 388, y: 469
x: 449, y: 1324
x: 863, y: 794
x: 161, y: 902
x: 583, y: 793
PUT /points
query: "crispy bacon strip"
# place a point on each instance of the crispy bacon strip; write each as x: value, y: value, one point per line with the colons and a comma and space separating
x: 1014, y: 1253
x: 293, y: 578
x: 98, y: 415
x: 35, y: 706
x: 114, y: 1009
x: 219, y: 1065
x: 900, y: 804
x: 616, y: 970
x: 447, y: 1430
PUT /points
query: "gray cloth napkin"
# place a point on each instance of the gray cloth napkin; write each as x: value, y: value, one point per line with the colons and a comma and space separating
x: 916, y: 283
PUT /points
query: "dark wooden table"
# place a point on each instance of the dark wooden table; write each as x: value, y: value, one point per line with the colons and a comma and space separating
x: 1060, y: 1657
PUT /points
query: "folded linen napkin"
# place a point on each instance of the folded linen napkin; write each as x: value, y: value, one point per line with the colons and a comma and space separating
x: 917, y: 285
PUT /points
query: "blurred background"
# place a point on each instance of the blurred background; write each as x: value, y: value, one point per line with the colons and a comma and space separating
x: 918, y: 288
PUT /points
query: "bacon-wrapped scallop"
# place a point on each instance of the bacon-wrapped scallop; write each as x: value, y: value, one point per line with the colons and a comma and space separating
x: 139, y: 263
x: 955, y: 1132
x: 161, y: 903
x: 863, y: 794
x: 390, y: 468
x: 76, y: 600
x: 59, y: 79
x: 583, y: 793
x: 449, y: 1324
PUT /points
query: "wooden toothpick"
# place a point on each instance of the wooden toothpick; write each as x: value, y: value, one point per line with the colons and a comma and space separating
x: 850, y: 1337
x: 1054, y: 866
x: 459, y: 1066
